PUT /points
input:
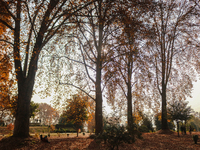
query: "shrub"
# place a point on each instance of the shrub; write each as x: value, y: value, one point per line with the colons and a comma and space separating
x: 61, y: 130
x: 114, y: 135
x: 195, y: 138
x: 143, y: 128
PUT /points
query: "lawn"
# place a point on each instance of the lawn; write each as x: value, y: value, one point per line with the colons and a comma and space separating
x: 150, y: 141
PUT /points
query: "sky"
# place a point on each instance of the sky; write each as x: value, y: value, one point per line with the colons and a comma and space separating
x: 194, y: 102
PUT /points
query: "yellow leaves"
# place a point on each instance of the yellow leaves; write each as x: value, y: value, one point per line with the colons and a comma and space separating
x: 77, y: 110
x: 159, y: 117
x: 137, y: 117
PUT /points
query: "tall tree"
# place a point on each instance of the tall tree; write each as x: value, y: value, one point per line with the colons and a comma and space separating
x: 171, y: 51
x: 92, y: 35
x: 34, y: 23
x: 127, y: 61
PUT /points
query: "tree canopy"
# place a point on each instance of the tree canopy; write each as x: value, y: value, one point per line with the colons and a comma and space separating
x: 76, y: 111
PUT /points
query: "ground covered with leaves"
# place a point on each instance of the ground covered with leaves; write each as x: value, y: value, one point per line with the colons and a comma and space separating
x: 150, y: 141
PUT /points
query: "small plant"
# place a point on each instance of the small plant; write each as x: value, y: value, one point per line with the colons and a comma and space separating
x: 37, y: 135
x: 195, y: 138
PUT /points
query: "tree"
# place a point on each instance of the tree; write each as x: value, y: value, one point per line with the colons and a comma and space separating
x: 158, y: 124
x: 34, y: 23
x: 33, y: 109
x: 195, y: 123
x: 146, y: 123
x: 7, y: 99
x: 76, y: 111
x: 169, y: 57
x: 47, y: 114
x: 91, y: 37
x: 127, y: 62
x: 179, y: 112
x: 7, y: 83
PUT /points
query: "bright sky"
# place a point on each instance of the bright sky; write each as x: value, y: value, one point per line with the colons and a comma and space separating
x: 37, y: 99
x: 194, y: 102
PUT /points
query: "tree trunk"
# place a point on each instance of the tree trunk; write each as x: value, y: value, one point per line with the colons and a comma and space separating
x: 98, y: 109
x: 177, y: 127
x: 77, y: 131
x: 21, y: 128
x: 164, y: 109
x: 129, y: 100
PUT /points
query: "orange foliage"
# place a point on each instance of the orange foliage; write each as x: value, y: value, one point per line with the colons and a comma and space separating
x: 160, y: 117
x: 5, y: 17
x: 10, y: 127
x: 77, y: 112
x: 137, y: 117
x: 7, y: 101
x: 91, y: 122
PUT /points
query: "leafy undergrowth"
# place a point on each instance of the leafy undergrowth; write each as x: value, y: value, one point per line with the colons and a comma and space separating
x: 150, y: 141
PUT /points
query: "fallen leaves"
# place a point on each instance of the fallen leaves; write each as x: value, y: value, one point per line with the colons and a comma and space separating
x: 150, y: 141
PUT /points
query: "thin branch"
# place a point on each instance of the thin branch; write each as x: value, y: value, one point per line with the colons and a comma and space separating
x: 7, y: 42
x: 78, y: 88
x: 6, y: 24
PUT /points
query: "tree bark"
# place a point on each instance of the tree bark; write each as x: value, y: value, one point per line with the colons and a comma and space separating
x: 177, y: 127
x: 164, y: 109
x: 23, y: 108
x: 129, y: 99
x: 98, y: 109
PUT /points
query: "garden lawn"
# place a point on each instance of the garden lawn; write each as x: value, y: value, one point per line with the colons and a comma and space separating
x: 150, y: 141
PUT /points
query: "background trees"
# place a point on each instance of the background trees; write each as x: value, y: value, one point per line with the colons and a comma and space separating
x: 76, y: 111
x: 47, y: 114
x: 169, y: 49
x: 179, y: 111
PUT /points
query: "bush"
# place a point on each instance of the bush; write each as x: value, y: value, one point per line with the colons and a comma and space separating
x: 62, y: 130
x: 115, y: 134
x: 195, y: 138
x: 143, y: 128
